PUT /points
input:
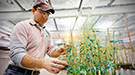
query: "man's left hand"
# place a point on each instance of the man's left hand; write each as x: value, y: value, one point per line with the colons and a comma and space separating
x: 63, y: 49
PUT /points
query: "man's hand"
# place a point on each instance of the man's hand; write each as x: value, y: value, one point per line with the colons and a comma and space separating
x: 54, y: 65
x: 61, y: 50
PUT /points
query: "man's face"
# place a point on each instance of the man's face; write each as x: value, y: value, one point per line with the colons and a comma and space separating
x: 41, y: 16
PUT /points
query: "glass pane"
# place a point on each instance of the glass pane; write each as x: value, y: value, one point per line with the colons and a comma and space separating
x: 62, y: 4
x: 123, y: 2
x: 65, y: 23
x: 107, y: 21
x: 90, y: 3
x: 6, y: 5
x: 50, y: 25
x: 79, y: 23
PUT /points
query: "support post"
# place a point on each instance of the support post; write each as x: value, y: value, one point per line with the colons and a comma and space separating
x: 128, y: 32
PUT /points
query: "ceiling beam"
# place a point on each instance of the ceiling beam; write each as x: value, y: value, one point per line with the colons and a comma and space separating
x: 74, y: 23
x: 111, y: 10
x: 23, y: 9
x: 54, y: 18
x: 50, y: 3
x: 55, y: 24
x: 117, y: 20
x: 72, y: 13
x: 96, y: 21
x: 117, y: 5
x: 11, y: 22
x: 4, y: 29
x: 80, y: 5
x: 80, y: 13
x: 109, y: 4
x: 60, y: 31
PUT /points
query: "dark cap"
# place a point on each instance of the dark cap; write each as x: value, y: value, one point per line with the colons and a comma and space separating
x: 44, y: 5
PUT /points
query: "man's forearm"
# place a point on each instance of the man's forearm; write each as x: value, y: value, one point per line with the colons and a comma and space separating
x: 32, y: 62
x: 52, y: 65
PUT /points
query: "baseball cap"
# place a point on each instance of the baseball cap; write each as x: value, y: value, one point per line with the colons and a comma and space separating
x: 44, y: 5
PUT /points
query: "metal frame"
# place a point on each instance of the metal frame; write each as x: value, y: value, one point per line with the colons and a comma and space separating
x: 79, y: 9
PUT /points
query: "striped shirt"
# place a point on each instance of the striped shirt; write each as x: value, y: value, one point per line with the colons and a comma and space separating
x: 28, y: 37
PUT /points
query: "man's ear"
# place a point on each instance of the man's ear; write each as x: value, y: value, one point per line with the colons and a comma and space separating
x: 33, y: 11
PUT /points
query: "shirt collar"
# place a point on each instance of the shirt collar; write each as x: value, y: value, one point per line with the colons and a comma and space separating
x: 33, y: 23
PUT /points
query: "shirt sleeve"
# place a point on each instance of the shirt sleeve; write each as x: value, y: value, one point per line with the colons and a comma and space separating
x: 50, y: 46
x: 18, y: 42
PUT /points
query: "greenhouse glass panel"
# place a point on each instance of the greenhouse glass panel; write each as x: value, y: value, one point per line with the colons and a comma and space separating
x: 8, y: 5
x: 89, y: 3
x: 106, y: 21
x: 116, y: 2
x: 79, y: 23
x: 65, y: 4
x: 65, y: 23
x: 27, y: 4
x: 50, y: 25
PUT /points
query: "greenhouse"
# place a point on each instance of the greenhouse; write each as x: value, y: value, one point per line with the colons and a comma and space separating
x: 67, y: 37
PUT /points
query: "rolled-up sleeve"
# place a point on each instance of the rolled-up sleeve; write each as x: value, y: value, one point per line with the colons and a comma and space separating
x: 51, y: 46
x: 18, y: 42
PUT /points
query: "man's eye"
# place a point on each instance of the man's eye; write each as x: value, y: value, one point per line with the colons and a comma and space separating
x: 43, y: 13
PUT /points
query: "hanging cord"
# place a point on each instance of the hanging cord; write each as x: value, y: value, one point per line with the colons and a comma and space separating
x: 133, y: 65
x: 32, y: 72
x: 133, y: 60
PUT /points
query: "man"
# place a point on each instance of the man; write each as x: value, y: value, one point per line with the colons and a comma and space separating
x: 30, y: 42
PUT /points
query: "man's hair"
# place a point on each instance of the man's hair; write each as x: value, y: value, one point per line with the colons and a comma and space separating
x: 35, y: 7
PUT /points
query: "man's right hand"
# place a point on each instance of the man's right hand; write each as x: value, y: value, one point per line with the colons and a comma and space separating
x: 54, y: 65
